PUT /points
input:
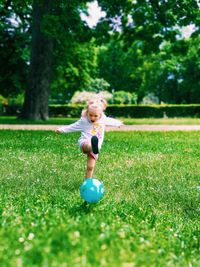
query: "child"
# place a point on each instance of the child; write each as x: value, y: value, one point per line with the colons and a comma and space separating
x: 91, y: 125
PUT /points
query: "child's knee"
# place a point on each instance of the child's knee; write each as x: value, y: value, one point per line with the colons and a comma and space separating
x: 86, y: 147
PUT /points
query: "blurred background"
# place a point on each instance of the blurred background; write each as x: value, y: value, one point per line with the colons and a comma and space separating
x: 136, y: 52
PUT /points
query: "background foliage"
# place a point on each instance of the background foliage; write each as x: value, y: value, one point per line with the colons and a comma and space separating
x: 137, y: 47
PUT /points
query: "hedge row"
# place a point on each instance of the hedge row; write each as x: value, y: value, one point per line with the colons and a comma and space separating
x: 135, y: 111
x: 126, y: 111
x: 156, y: 111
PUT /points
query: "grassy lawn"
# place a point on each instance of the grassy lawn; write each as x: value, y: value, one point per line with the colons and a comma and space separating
x: 131, y: 121
x: 149, y: 215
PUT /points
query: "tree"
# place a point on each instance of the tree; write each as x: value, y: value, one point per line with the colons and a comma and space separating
x: 14, y: 47
x: 56, y: 26
x: 64, y: 58
x: 145, y: 26
x: 149, y: 21
x: 37, y: 92
x: 117, y: 66
x: 173, y: 73
x: 189, y: 82
x: 74, y: 69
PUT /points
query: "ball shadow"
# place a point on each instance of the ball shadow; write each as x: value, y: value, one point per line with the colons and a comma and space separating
x: 83, y: 208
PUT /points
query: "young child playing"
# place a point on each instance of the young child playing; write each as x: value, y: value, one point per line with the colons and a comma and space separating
x: 92, y: 126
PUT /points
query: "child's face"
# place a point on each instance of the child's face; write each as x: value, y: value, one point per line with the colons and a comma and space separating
x: 94, y: 116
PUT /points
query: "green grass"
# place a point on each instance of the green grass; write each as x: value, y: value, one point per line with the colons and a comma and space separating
x: 149, y: 215
x: 15, y: 120
x: 61, y: 121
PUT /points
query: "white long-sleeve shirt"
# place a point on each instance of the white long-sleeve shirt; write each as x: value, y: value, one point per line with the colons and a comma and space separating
x: 88, y: 129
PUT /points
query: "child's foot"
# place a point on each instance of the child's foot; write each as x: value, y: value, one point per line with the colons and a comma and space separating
x: 94, y: 142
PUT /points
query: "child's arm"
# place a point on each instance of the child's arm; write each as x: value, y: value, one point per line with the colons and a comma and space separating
x: 74, y: 127
x: 113, y: 122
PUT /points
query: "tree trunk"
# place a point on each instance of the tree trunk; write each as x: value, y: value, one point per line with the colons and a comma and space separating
x: 37, y: 92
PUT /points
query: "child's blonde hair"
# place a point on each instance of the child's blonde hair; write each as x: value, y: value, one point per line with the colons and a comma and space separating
x: 97, y: 102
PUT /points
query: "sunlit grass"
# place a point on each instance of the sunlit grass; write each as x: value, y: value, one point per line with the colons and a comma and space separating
x: 170, y: 121
x: 61, y: 121
x: 149, y: 215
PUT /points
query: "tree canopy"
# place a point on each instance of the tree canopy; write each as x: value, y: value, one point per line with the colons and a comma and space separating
x: 48, y: 49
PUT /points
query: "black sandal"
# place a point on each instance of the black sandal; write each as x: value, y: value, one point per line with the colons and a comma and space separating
x: 94, y: 142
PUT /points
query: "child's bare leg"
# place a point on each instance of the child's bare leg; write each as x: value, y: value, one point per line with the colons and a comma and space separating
x: 86, y: 148
x: 90, y: 166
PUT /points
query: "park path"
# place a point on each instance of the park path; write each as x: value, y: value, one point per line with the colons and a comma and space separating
x: 122, y: 128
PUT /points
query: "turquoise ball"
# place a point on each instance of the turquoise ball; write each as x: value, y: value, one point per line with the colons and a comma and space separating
x: 92, y: 190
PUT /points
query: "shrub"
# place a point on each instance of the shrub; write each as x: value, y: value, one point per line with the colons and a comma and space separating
x: 150, y: 99
x: 132, y: 111
x: 83, y: 97
x: 154, y: 111
x: 97, y: 85
x: 17, y: 100
x: 123, y: 97
x: 126, y: 111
